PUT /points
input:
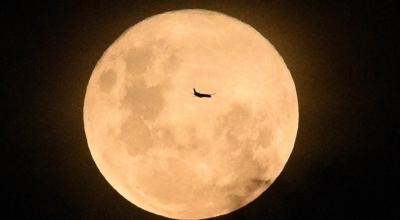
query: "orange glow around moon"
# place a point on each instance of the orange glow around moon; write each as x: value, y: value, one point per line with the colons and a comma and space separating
x: 174, y: 154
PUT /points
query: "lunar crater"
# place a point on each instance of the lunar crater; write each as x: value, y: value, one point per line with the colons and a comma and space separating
x: 107, y: 80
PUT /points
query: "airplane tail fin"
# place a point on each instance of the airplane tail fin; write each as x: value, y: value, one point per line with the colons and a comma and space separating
x: 194, y: 90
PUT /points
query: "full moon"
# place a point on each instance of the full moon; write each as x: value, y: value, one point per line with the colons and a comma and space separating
x: 172, y: 153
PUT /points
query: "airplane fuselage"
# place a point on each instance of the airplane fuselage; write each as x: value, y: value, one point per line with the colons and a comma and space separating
x: 201, y: 95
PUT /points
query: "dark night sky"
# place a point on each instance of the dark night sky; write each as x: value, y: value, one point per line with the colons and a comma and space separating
x: 341, y: 56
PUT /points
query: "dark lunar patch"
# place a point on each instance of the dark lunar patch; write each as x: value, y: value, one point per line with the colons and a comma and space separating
x: 135, y: 135
x: 107, y: 80
x: 262, y: 182
x: 167, y: 138
x: 265, y: 136
x: 257, y: 183
x: 171, y: 64
x: 142, y: 100
x: 139, y: 59
x: 236, y: 201
x: 248, y: 174
x: 195, y: 141
x: 233, y: 123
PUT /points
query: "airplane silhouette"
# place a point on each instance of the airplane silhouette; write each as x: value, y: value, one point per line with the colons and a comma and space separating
x: 201, y: 95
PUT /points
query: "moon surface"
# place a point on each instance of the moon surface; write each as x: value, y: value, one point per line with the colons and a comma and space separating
x: 177, y: 155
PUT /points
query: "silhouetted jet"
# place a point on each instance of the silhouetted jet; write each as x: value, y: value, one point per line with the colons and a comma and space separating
x: 201, y: 95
